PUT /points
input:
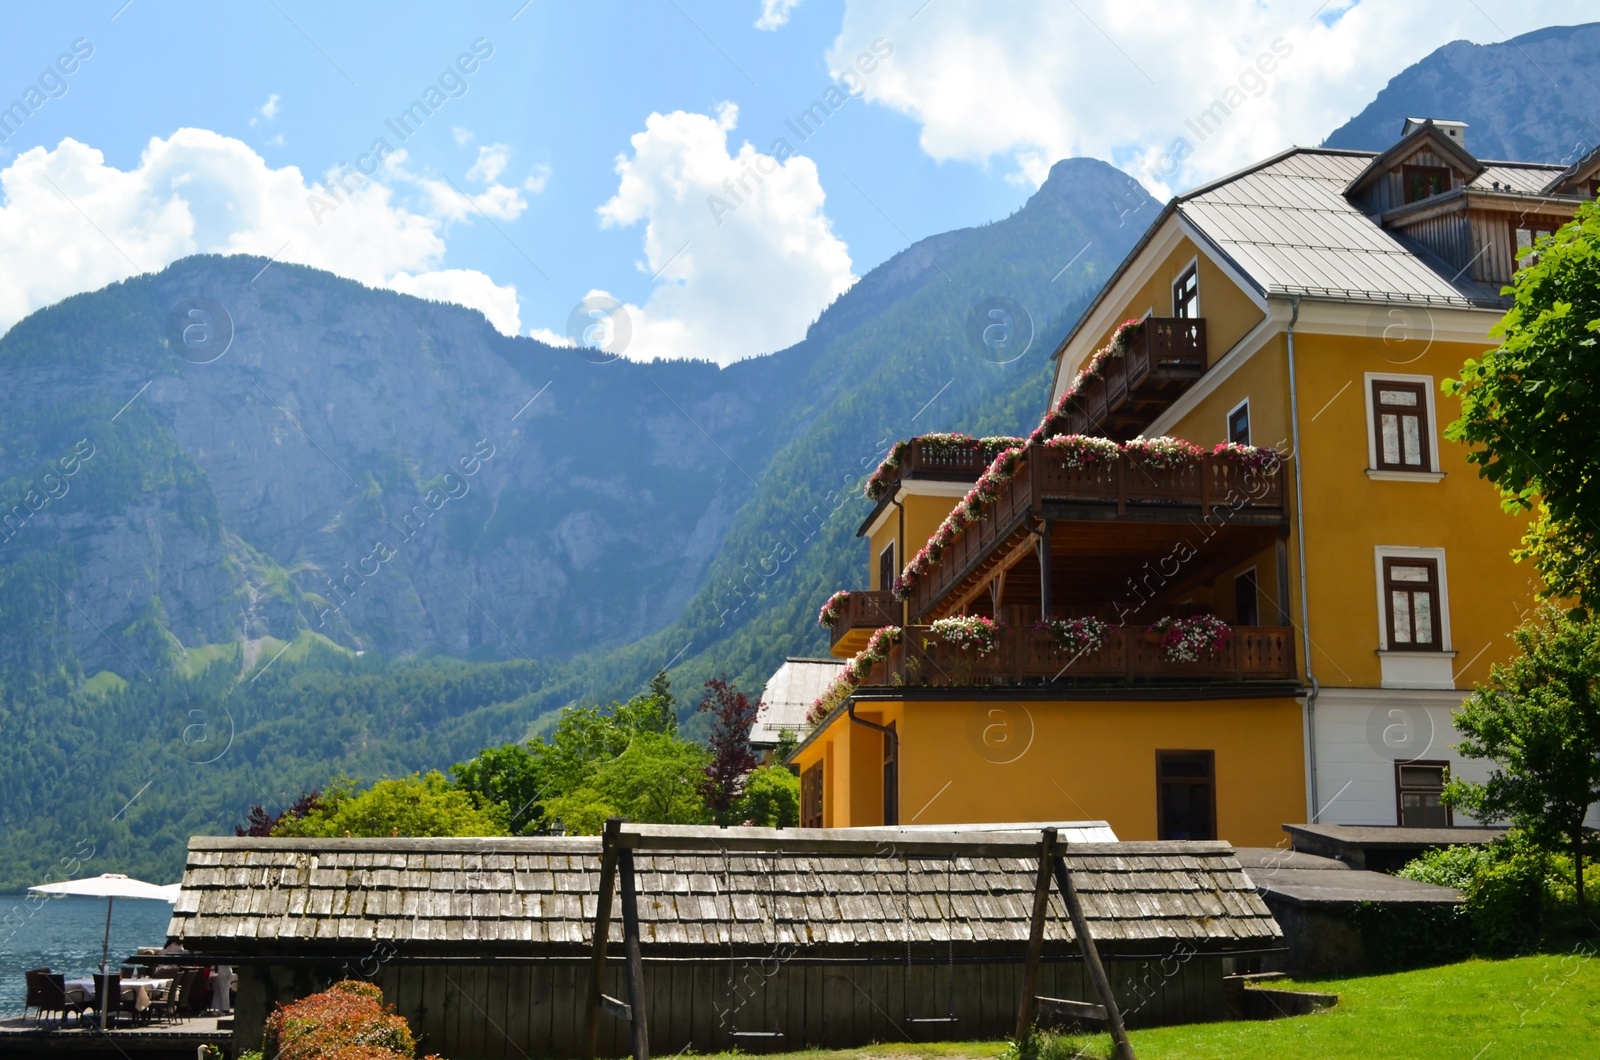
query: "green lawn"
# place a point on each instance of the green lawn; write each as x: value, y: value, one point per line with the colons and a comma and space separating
x: 1478, y: 1010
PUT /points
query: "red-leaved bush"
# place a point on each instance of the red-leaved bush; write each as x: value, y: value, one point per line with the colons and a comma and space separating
x: 348, y: 1021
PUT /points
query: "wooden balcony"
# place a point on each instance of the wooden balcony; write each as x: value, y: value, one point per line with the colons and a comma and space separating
x: 1163, y: 360
x: 865, y: 611
x: 1030, y: 656
x: 933, y: 462
x: 1096, y: 513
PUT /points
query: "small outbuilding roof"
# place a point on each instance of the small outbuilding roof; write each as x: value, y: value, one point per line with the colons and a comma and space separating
x: 536, y: 897
x: 790, y: 691
x: 1309, y: 880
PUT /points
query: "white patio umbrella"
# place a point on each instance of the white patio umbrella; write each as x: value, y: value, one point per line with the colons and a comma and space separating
x: 110, y: 886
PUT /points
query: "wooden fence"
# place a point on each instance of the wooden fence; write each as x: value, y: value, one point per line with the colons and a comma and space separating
x: 511, y: 1010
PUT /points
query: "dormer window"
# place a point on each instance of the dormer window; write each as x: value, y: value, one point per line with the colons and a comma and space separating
x: 1424, y: 182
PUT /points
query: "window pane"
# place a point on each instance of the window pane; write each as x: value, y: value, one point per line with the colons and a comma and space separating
x: 1184, y: 767
x: 1391, y: 438
x: 1423, y: 603
x: 1400, y: 604
x: 1407, y: 398
x: 1418, y: 810
x: 1413, y: 439
x: 1430, y: 777
x: 1403, y: 573
x: 1524, y: 238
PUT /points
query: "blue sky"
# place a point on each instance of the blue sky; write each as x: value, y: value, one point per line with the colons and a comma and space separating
x: 964, y: 107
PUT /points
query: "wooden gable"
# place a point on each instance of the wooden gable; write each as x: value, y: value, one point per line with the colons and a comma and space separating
x: 1425, y: 164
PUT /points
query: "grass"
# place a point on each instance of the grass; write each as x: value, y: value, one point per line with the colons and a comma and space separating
x: 103, y: 682
x: 1476, y: 1010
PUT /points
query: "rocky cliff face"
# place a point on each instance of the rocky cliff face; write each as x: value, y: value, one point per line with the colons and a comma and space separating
x: 1533, y: 98
x: 387, y: 471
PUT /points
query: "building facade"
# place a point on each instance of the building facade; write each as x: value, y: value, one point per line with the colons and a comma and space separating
x: 1212, y: 640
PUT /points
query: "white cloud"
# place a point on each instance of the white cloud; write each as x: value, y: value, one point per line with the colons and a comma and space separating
x: 550, y: 338
x: 744, y: 256
x: 492, y: 159
x: 466, y: 287
x: 461, y: 135
x: 537, y: 178
x: 269, y: 109
x: 200, y: 192
x: 775, y: 13
x: 1034, y: 81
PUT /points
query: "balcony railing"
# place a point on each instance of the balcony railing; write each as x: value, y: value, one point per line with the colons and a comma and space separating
x: 941, y: 461
x: 1031, y: 656
x: 1165, y: 357
x: 1122, y: 487
x: 865, y: 610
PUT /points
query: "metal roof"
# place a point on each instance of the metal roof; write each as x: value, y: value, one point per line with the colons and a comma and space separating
x: 537, y: 897
x: 790, y: 691
x: 1288, y: 227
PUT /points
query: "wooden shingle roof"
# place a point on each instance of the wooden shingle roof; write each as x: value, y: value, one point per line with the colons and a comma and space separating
x: 536, y: 897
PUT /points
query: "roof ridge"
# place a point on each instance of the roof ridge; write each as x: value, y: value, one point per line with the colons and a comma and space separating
x: 1271, y: 160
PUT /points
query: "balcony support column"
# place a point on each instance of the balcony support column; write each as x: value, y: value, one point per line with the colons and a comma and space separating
x: 1281, y: 549
x: 1042, y: 544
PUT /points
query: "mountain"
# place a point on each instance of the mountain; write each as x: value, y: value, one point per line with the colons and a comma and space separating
x: 218, y: 559
x: 395, y: 475
x: 1533, y: 98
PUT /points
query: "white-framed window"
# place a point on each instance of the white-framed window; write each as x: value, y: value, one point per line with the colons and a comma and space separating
x: 1413, y: 599
x: 1239, y: 423
x: 1186, y: 292
x: 1401, y: 425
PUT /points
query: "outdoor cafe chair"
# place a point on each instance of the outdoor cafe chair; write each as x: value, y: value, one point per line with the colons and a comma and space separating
x: 47, y: 992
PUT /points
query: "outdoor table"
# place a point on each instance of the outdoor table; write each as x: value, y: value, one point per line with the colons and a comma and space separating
x: 139, y: 991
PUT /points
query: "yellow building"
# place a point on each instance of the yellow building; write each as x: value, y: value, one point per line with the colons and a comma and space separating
x: 1335, y: 579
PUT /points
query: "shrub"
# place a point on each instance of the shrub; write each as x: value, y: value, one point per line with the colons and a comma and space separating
x: 771, y: 798
x: 1448, y: 866
x: 346, y: 1022
x: 1517, y: 897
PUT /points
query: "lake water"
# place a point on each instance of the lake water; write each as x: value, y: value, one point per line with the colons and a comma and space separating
x: 64, y: 935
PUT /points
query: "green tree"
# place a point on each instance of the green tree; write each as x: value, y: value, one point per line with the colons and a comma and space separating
x: 1528, y: 407
x: 1538, y: 719
x: 655, y: 780
x: 423, y: 804
x: 512, y: 776
x: 771, y: 798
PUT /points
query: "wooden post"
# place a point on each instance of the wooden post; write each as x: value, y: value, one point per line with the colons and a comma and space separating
x: 1091, y: 959
x: 630, y: 944
x: 1045, y: 573
x: 602, y: 931
x: 1041, y: 906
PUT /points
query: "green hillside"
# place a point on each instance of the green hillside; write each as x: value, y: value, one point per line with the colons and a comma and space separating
x: 647, y: 515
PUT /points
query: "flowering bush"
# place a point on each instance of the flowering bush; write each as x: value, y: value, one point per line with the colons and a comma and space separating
x: 833, y: 610
x: 348, y: 1019
x: 854, y: 672
x: 1080, y: 450
x: 1056, y: 419
x: 878, y: 482
x: 968, y: 511
x: 1187, y: 639
x: 970, y: 631
x: 1164, y: 453
x: 1258, y: 458
x: 837, y: 692
x: 1077, y: 636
